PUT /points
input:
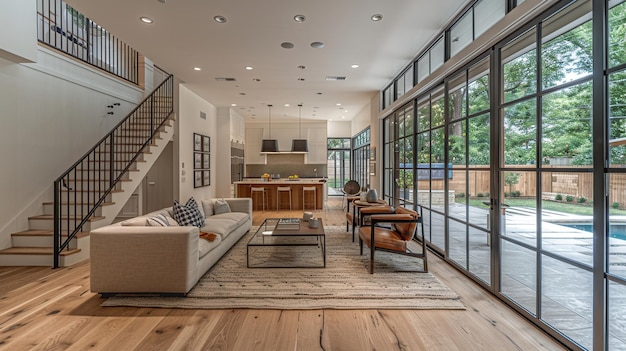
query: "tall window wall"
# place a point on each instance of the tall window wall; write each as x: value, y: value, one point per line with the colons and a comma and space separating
x: 519, y: 166
x: 338, y: 163
x: 361, y: 157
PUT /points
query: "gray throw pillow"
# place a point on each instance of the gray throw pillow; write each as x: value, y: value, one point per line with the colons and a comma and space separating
x: 221, y: 206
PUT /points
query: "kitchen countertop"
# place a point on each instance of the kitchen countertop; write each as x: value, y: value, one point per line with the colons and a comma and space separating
x: 282, y: 181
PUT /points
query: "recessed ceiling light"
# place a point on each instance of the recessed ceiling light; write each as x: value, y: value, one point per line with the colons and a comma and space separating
x: 377, y: 17
x: 256, y: 80
x: 145, y: 19
x: 287, y: 45
x: 249, y: 68
x: 301, y: 79
x: 242, y: 93
x: 317, y: 44
x: 301, y: 67
x: 355, y: 66
x: 233, y: 105
x: 338, y: 104
x: 319, y: 93
x: 299, y: 18
x: 219, y: 19
x: 287, y: 105
x: 197, y: 69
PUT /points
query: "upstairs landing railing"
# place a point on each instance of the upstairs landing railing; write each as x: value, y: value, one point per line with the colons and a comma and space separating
x: 80, y: 190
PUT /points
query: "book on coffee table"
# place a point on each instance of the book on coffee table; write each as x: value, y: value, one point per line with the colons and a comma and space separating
x: 288, y: 224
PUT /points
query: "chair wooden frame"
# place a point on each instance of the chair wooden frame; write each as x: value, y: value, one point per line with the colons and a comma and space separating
x: 376, y: 220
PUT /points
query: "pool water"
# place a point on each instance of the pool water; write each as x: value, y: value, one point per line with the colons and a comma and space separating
x: 616, y: 231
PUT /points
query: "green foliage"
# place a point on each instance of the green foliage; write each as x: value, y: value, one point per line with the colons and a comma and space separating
x: 615, y: 205
x: 582, y: 200
x: 569, y: 198
x: 459, y: 195
x: 479, y: 195
x: 558, y: 197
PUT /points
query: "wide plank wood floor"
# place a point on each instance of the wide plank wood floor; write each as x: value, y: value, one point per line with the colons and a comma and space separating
x: 46, y: 309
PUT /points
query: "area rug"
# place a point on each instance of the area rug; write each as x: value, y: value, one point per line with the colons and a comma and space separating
x: 345, y: 283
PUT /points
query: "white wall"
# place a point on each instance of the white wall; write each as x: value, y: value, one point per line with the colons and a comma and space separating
x: 18, y: 37
x: 53, y: 111
x: 189, y: 122
x: 339, y: 129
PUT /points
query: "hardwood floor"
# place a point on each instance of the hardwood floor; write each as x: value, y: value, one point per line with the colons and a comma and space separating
x: 46, y: 309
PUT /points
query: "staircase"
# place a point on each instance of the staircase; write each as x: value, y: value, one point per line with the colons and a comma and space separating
x: 92, y: 192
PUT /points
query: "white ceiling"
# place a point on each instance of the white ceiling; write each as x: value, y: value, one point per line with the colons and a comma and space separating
x: 184, y: 35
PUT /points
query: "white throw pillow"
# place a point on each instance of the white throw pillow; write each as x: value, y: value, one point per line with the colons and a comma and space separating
x: 221, y: 206
x: 161, y: 220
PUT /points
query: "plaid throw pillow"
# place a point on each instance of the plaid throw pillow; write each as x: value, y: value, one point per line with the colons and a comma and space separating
x: 188, y: 214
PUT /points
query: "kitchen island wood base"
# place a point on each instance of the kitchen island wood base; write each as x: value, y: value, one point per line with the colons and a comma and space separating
x: 243, y: 190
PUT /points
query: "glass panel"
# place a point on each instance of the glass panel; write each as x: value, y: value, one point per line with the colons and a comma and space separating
x: 400, y: 87
x: 567, y: 300
x: 457, y: 250
x: 566, y: 215
x: 480, y: 254
x: 617, y: 225
x: 457, y: 96
x: 566, y: 126
x: 423, y: 151
x: 617, y: 34
x: 478, y: 148
x: 400, y: 119
x: 408, y: 79
x: 519, y: 275
x: 566, y: 55
x: 519, y: 67
x: 423, y: 115
x: 457, y: 144
x: 437, y: 237
x: 437, y: 109
x: 423, y: 187
x: 461, y: 33
x: 616, y: 313
x: 437, y: 55
x: 423, y: 67
x: 520, y: 217
x: 457, y: 196
x: 479, y: 183
x: 437, y: 146
x: 409, y: 128
x: 617, y: 119
x: 486, y: 14
x: 520, y: 133
x: 427, y: 223
x: 478, y: 87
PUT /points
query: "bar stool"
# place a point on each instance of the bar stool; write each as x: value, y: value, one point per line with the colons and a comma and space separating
x: 254, y: 193
x: 306, y: 189
x: 280, y: 189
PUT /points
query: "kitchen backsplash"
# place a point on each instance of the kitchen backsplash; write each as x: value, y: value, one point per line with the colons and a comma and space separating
x: 285, y: 170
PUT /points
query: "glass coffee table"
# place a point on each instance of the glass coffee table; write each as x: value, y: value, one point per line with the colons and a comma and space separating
x: 266, y: 247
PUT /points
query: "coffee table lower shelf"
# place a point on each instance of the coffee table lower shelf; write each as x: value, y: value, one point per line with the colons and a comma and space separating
x: 267, y: 238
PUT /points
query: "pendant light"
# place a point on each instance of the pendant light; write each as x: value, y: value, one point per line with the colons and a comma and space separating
x: 299, y: 145
x: 269, y: 145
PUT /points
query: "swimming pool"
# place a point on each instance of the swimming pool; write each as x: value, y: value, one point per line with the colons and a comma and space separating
x: 616, y: 231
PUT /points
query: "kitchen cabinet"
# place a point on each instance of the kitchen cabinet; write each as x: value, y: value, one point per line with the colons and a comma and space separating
x: 318, y: 146
x: 254, y: 136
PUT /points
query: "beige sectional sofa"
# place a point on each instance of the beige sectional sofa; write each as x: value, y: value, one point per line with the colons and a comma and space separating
x: 132, y: 257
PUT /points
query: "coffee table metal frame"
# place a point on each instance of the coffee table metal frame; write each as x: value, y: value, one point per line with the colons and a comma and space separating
x: 274, y: 238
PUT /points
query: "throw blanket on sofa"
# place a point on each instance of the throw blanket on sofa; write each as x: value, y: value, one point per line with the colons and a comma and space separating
x: 208, y: 236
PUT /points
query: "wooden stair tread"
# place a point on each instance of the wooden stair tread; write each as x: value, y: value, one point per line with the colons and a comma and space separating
x: 43, y: 232
x: 35, y: 251
x: 50, y: 217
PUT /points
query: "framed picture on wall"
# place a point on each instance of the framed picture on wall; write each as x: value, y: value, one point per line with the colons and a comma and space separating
x: 206, y: 143
x: 206, y: 178
x: 197, y: 160
x: 206, y: 161
x: 197, y: 142
x: 197, y: 179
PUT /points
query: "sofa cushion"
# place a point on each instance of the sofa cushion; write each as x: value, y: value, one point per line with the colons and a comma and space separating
x: 207, y: 206
x: 161, y: 220
x: 135, y: 222
x: 221, y: 206
x: 188, y: 214
x: 221, y: 226
x: 205, y: 246
x: 239, y: 217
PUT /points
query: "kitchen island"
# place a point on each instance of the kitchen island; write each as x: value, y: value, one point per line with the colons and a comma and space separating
x: 242, y: 189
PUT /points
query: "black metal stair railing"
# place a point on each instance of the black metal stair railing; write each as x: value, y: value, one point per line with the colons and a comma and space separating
x: 87, y: 184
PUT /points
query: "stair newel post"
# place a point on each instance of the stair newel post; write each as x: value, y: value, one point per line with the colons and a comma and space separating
x: 57, y: 219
